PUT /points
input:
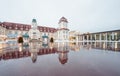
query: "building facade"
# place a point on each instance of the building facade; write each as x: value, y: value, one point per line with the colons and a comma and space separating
x: 73, y: 36
x: 11, y: 31
x: 112, y: 35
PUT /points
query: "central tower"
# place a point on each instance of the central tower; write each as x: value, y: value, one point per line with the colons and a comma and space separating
x: 34, y: 33
x: 34, y: 24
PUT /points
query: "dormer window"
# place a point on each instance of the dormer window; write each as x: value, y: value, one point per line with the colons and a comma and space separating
x: 21, y: 28
x: 16, y: 27
x: 26, y: 28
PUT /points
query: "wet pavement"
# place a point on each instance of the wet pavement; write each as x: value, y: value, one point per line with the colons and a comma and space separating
x: 60, y: 59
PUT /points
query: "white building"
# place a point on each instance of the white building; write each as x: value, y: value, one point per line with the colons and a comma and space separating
x: 74, y: 36
x: 2, y: 33
x: 63, y: 31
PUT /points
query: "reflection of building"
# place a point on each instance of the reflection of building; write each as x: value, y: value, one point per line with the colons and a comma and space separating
x: 63, y: 52
x: 75, y: 46
x: 33, y: 48
x: 63, y: 57
x: 2, y: 45
x: 14, y: 53
x: 114, y: 46
x: 20, y: 47
x: 45, y: 45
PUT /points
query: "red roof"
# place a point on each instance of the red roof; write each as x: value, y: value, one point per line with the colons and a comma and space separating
x: 26, y: 27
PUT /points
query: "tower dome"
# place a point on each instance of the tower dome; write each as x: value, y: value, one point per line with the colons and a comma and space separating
x: 63, y: 19
x: 34, y: 20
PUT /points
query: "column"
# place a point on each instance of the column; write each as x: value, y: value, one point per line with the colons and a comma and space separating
x: 91, y: 38
x: 116, y: 45
x: 106, y: 37
x: 115, y: 36
x: 100, y: 37
x: 83, y: 37
x: 112, y: 35
x: 58, y: 35
x: 61, y: 35
x: 109, y: 36
x: 104, y: 45
x: 100, y: 44
x: 78, y: 38
x: 95, y: 37
x: 4, y: 30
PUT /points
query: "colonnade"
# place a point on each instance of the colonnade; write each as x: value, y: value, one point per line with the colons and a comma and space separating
x: 103, y: 36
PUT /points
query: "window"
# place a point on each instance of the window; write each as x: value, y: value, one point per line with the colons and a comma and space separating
x: 45, y: 34
x: 16, y: 32
x: 63, y: 31
x: 34, y: 32
x: 10, y: 27
x: 21, y: 28
x: 10, y: 32
x: 16, y: 27
x: 26, y: 28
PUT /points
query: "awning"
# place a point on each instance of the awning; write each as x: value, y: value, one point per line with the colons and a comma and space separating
x: 44, y: 36
x: 26, y: 35
x: 11, y: 35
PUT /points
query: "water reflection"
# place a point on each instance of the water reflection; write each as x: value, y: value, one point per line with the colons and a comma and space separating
x: 113, y: 46
x: 75, y: 46
x: 20, y: 47
x: 35, y: 49
x: 62, y: 50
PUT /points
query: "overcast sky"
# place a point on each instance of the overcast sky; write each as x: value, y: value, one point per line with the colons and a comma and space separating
x: 83, y: 15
